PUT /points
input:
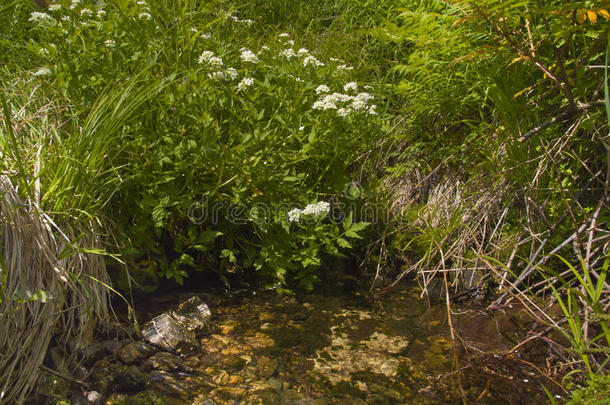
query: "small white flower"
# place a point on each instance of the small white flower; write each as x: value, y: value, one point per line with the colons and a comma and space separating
x: 205, y: 56
x: 215, y: 61
x: 303, y: 52
x: 54, y: 7
x: 324, y: 105
x: 245, y: 83
x: 65, y: 18
x: 232, y: 73
x: 101, y: 13
x: 372, y: 110
x: 209, y: 58
x: 218, y: 75
x: 358, y: 105
x: 141, y: 3
x: 74, y: 4
x: 322, y: 89
x: 85, y: 12
x: 237, y: 20
x: 38, y: 17
x: 284, y: 35
x: 294, y: 215
x: 207, y: 35
x: 264, y: 48
x: 109, y: 43
x: 343, y: 112
x: 351, y: 86
x: 302, y: 127
x: 298, y: 80
x: 248, y: 56
x: 42, y: 72
x: 145, y: 16
x: 43, y: 51
x: 311, y: 60
x: 334, y: 60
x: 316, y: 209
x: 344, y: 67
x: 290, y: 42
x: 288, y: 53
x: 363, y: 97
x: 338, y: 97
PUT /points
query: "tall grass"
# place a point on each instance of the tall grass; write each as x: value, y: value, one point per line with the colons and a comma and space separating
x: 52, y: 247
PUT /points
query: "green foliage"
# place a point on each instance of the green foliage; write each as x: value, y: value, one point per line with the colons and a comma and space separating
x: 195, y: 148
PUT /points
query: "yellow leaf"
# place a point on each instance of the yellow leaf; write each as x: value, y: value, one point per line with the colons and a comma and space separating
x: 592, y: 16
x: 519, y: 93
x: 604, y: 13
x: 517, y: 59
x: 581, y: 16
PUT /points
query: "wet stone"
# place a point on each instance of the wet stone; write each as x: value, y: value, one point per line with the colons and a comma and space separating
x: 228, y: 327
x: 134, y: 352
x: 165, y: 361
x: 260, y: 341
x: 130, y: 380
x: 226, y: 393
x: 87, y: 398
x: 266, y: 366
x: 222, y: 378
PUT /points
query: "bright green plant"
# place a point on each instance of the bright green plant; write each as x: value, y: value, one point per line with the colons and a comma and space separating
x: 580, y: 301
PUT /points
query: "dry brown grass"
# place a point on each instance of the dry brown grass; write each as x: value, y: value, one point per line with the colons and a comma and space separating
x: 40, y: 254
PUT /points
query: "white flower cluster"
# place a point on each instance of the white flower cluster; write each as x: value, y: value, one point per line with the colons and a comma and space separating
x: 229, y: 73
x: 208, y: 58
x: 237, y: 20
x: 245, y: 83
x: 39, y: 17
x: 358, y: 102
x: 145, y: 12
x: 284, y: 35
x: 288, y: 53
x: 311, y: 60
x: 74, y: 4
x: 248, y: 56
x: 351, y: 86
x: 85, y: 12
x: 344, y: 67
x: 54, y: 7
x: 109, y: 43
x: 42, y: 72
x: 322, y: 89
x: 317, y: 209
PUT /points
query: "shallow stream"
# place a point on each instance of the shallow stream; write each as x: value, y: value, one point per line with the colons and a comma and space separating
x: 345, y: 349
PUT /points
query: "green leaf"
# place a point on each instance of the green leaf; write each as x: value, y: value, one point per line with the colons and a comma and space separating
x: 207, y: 237
x: 343, y: 243
x: 226, y: 253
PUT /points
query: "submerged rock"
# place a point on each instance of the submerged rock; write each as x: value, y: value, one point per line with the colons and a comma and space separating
x: 177, y: 330
x: 134, y: 352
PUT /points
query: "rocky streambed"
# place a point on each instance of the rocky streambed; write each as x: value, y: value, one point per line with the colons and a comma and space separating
x: 311, y: 349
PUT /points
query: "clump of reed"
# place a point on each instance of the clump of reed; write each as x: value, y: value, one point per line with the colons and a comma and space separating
x: 56, y: 180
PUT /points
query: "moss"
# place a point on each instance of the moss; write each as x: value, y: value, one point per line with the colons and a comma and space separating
x: 596, y: 391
